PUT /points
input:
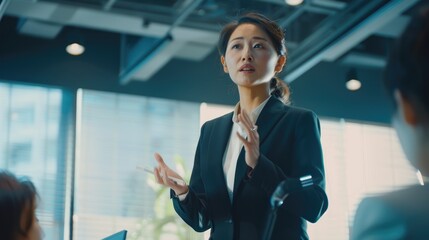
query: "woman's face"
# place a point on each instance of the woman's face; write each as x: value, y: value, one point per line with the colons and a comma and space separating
x: 250, y: 58
x: 35, y: 232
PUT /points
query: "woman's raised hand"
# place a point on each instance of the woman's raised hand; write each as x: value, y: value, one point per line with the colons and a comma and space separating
x: 164, y: 174
x: 251, y: 143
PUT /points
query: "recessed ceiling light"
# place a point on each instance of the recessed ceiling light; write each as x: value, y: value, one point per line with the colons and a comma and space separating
x: 353, y: 84
x: 75, y: 49
x: 294, y: 2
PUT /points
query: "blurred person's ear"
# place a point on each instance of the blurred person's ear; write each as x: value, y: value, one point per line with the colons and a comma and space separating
x: 222, y: 60
x: 406, y: 109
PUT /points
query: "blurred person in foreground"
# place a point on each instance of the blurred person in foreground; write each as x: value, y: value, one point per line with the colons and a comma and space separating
x: 403, y: 214
x: 18, y: 202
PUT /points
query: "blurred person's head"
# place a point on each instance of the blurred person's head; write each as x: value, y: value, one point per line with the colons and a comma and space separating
x: 407, y: 81
x: 18, y: 200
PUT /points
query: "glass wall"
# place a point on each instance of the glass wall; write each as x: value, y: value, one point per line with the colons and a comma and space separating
x: 34, y: 143
x: 116, y: 133
x: 360, y: 160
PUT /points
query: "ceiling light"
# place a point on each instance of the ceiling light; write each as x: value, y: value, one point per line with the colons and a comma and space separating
x: 75, y: 49
x: 75, y: 42
x: 294, y: 2
x: 352, y: 82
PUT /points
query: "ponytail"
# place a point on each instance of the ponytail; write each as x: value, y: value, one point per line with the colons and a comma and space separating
x: 280, y: 90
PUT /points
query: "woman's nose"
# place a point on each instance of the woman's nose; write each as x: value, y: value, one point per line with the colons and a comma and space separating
x: 247, y: 55
x: 247, y: 58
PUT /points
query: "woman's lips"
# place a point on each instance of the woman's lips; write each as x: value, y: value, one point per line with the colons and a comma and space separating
x: 247, y: 68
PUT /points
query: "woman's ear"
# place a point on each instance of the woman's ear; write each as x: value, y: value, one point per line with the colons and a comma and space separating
x: 405, y: 108
x: 280, y: 63
x: 222, y: 60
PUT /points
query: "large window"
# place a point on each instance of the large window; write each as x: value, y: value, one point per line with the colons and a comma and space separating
x: 360, y: 160
x: 33, y: 143
x: 115, y: 134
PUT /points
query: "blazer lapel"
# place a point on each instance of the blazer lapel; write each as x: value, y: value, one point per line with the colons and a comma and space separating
x: 218, y: 141
x: 270, y: 115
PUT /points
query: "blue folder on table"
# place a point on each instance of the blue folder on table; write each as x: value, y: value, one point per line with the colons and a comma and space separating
x: 122, y: 235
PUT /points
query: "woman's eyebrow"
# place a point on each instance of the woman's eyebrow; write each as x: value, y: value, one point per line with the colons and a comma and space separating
x: 256, y: 37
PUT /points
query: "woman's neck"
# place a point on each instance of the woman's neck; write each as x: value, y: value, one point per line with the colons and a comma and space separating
x: 251, y: 98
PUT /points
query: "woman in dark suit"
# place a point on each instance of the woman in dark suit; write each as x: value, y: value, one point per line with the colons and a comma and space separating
x: 242, y: 156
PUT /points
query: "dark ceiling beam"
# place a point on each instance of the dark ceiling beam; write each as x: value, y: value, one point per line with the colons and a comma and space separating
x: 298, y: 12
x: 109, y: 4
x: 308, y: 6
x: 344, y: 31
x: 320, y: 10
x: 180, y: 5
x: 152, y: 11
x: 139, y: 8
x: 363, y: 60
x: 188, y: 9
x: 151, y: 54
x: 112, y: 21
x: 3, y: 6
x: 331, y: 4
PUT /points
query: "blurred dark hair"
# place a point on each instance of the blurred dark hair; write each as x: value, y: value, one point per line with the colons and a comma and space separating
x: 17, y: 200
x: 408, y: 65
x: 279, y: 88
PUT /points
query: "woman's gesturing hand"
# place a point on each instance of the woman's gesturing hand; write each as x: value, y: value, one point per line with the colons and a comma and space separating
x: 251, y: 143
x: 162, y: 176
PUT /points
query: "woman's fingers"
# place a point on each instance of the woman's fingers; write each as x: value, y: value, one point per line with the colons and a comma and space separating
x: 164, y: 175
x: 157, y: 174
x: 251, y: 129
x: 246, y: 118
x: 243, y: 120
x: 159, y: 159
x: 243, y: 140
x: 160, y: 171
x: 161, y: 176
x: 251, y: 143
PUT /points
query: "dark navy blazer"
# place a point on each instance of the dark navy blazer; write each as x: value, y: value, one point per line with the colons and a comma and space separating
x: 289, y: 148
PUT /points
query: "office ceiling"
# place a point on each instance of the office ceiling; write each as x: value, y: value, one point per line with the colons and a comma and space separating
x: 325, y: 38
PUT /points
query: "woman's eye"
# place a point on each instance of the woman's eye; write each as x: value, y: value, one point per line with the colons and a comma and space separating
x: 235, y: 46
x: 257, y: 45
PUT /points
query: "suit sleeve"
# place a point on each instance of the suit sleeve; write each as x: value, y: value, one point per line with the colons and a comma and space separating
x: 376, y: 220
x: 193, y: 209
x: 307, y: 159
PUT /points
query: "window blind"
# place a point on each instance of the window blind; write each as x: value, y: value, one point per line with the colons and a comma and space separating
x: 115, y: 134
x: 361, y: 159
x: 34, y: 143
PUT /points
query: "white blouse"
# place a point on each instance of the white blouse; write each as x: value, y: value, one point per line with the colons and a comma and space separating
x: 234, y: 146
